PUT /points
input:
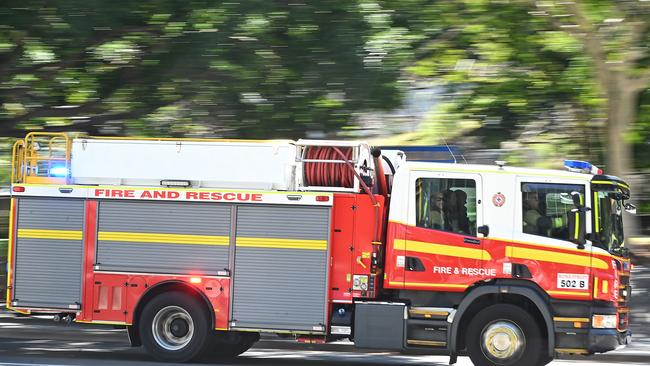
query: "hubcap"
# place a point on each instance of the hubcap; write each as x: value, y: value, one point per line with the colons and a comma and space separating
x: 172, y: 328
x: 502, y: 342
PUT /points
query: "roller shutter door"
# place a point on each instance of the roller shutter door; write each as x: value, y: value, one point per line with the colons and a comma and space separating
x: 163, y: 237
x: 48, y: 253
x: 280, y: 276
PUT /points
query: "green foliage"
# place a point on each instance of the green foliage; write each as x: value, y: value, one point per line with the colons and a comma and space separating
x: 252, y: 69
x: 504, y: 65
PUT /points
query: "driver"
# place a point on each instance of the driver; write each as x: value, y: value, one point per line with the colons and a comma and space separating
x: 534, y: 221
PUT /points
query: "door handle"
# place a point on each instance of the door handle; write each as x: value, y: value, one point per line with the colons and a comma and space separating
x: 472, y: 241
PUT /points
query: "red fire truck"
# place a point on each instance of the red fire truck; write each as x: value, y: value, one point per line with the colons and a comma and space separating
x: 197, y: 246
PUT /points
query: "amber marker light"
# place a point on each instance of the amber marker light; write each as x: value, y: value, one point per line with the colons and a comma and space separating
x: 195, y: 279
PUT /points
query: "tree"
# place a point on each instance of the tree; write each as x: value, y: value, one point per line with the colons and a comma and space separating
x: 614, y: 34
x: 254, y: 69
x: 517, y: 66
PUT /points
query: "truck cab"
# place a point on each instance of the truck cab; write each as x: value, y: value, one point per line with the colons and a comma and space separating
x: 456, y: 230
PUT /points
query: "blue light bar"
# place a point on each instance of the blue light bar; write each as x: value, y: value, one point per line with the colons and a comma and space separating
x: 580, y: 166
x: 59, y: 171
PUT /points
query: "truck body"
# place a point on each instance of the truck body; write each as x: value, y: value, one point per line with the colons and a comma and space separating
x: 198, y: 246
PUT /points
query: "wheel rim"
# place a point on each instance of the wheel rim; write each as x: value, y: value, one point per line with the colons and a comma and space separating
x: 172, y: 328
x: 502, y: 342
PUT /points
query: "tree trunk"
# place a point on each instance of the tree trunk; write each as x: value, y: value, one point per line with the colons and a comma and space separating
x: 621, y: 114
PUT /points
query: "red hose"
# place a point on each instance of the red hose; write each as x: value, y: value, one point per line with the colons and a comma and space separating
x: 328, y: 174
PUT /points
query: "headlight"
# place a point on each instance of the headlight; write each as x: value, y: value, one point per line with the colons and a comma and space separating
x: 603, y: 321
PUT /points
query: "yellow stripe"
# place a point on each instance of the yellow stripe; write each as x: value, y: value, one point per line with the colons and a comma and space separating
x: 419, y: 342
x: 441, y: 249
x: 572, y: 350
x: 610, y: 182
x: 282, y: 243
x: 605, y: 285
x: 580, y: 320
x: 596, y: 213
x: 435, y: 285
x: 595, y: 287
x: 556, y: 257
x: 101, y: 322
x: 428, y: 312
x: 49, y: 234
x: 577, y: 226
x: 568, y: 293
x: 163, y: 238
x: 10, y: 245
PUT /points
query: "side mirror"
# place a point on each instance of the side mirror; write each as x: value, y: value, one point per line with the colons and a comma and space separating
x: 630, y: 208
x: 483, y: 229
x: 577, y: 199
x: 577, y: 226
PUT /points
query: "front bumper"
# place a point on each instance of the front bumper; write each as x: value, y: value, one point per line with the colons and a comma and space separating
x: 604, y: 340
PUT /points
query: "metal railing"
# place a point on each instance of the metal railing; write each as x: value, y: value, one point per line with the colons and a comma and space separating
x: 41, y: 158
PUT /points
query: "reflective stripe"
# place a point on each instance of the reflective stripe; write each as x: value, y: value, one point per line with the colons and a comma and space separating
x: 580, y: 320
x: 611, y: 183
x: 162, y: 238
x: 49, y: 234
x: 441, y: 249
x: 282, y: 243
x: 555, y: 257
x: 596, y: 213
x: 435, y: 285
x: 568, y: 293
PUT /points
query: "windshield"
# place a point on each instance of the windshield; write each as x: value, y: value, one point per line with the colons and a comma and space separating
x: 608, y: 220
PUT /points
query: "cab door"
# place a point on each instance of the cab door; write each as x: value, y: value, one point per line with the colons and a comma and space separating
x: 442, y: 249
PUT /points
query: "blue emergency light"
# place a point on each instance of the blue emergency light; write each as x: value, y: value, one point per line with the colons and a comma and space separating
x: 59, y: 171
x: 579, y: 166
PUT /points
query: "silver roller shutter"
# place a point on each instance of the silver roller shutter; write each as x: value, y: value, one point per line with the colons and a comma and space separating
x: 274, y: 287
x: 158, y: 237
x: 48, y: 253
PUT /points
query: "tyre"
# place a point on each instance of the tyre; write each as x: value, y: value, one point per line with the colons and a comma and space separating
x: 226, y: 345
x: 175, y: 327
x: 504, y: 335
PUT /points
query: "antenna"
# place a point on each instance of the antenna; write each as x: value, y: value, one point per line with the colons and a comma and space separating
x: 451, y: 152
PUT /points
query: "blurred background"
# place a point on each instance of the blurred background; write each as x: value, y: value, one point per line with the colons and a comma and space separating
x: 528, y: 82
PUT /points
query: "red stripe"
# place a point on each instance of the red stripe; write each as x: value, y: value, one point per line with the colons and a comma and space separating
x: 90, y: 238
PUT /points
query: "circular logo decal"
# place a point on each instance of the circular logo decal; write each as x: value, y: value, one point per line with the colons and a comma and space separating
x: 499, y: 199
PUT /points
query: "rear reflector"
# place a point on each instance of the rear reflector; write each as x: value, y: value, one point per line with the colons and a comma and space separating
x: 322, y: 198
x: 18, y: 189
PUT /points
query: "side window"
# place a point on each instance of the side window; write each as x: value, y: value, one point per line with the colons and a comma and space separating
x: 446, y: 204
x: 545, y: 208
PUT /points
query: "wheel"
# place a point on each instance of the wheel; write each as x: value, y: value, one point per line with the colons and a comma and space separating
x: 175, y: 327
x: 504, y: 335
x: 225, y: 345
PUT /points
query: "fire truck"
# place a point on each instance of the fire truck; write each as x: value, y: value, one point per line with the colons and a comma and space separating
x: 198, y: 246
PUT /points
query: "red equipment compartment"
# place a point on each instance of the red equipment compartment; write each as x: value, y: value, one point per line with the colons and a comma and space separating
x: 356, y: 248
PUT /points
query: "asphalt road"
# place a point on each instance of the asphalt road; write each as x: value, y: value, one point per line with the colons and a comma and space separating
x: 39, y: 341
